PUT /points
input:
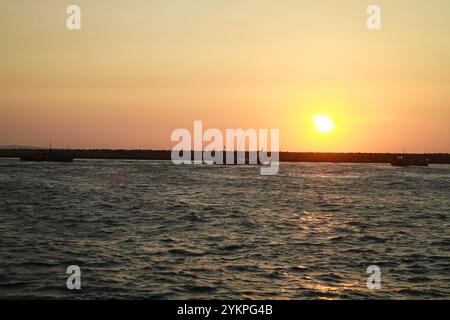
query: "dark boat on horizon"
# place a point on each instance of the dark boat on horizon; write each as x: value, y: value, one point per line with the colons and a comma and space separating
x: 404, y: 161
x: 48, y: 155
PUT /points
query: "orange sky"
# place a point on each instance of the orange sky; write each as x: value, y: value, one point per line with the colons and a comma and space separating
x: 139, y: 69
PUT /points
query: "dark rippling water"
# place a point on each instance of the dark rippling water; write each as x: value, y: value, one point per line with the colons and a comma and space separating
x: 154, y: 230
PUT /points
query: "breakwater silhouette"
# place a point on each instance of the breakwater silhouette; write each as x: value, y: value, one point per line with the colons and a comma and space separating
x: 344, y: 157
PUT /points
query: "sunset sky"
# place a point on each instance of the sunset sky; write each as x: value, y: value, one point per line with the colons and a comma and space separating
x: 139, y: 69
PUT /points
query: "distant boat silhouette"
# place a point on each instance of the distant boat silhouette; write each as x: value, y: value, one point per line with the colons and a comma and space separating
x: 404, y: 161
x: 48, y: 155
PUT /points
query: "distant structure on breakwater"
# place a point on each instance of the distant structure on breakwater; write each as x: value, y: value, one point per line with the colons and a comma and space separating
x: 433, y: 158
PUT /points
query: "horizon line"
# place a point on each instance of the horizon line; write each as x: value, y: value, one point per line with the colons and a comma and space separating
x: 19, y: 147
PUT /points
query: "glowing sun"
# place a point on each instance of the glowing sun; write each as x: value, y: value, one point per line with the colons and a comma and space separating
x: 323, y: 123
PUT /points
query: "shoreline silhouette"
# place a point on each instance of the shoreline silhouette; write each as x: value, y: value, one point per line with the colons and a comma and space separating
x: 333, y: 157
